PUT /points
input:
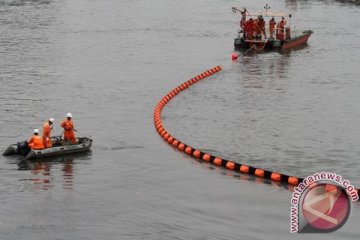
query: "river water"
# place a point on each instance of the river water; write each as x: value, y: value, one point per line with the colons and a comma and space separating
x: 109, y: 62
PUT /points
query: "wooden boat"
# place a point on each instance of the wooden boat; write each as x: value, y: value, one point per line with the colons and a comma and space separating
x: 60, y: 147
x: 281, y: 39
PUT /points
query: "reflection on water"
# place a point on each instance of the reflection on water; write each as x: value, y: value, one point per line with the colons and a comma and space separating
x: 45, y: 173
x: 267, y: 64
x: 263, y: 71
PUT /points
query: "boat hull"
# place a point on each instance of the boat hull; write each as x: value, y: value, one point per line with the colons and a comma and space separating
x: 59, y: 148
x: 11, y: 150
x: 297, y: 41
x: 83, y: 146
x: 272, y: 44
x: 20, y: 148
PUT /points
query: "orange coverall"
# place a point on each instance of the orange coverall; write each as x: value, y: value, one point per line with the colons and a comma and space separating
x: 256, y: 29
x: 69, y: 134
x: 47, y: 135
x: 35, y: 142
x: 280, y: 29
x: 272, y: 24
x: 249, y: 28
x: 261, y: 27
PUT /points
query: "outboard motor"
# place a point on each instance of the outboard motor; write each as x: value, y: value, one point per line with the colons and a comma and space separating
x: 23, y: 148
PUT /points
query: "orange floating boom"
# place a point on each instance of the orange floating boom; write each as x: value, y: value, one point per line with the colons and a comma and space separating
x: 207, y: 157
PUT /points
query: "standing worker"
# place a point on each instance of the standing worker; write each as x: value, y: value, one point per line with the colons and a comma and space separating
x: 35, y: 141
x: 68, y: 126
x: 261, y: 27
x: 249, y: 29
x: 280, y: 32
x: 272, y: 24
x: 47, y: 127
x: 243, y: 24
x: 256, y: 29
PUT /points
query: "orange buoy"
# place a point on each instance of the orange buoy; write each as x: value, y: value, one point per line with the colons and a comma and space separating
x: 217, y: 161
x: 259, y: 172
x: 230, y: 165
x: 293, y: 180
x: 234, y: 56
x: 196, y: 153
x: 244, y: 169
x: 175, y: 143
x: 170, y: 139
x: 206, y: 157
x: 181, y: 147
x: 188, y: 150
x: 276, y: 177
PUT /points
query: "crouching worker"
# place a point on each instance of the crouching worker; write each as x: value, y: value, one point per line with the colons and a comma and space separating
x: 47, y: 127
x: 69, y: 131
x: 35, y: 141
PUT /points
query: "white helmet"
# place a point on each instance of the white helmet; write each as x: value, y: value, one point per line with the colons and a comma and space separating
x: 52, y: 120
x: 69, y: 115
x: 36, y: 131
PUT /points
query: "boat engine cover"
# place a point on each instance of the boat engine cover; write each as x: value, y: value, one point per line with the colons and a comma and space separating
x: 23, y: 148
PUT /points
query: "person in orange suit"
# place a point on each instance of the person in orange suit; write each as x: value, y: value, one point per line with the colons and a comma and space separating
x: 243, y: 24
x: 69, y: 131
x: 249, y: 29
x: 35, y: 141
x: 47, y: 127
x: 280, y: 33
x: 243, y: 20
x: 261, y: 27
x: 256, y: 29
x: 272, y: 24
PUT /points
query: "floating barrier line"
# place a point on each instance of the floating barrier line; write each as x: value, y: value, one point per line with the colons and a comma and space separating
x: 207, y: 157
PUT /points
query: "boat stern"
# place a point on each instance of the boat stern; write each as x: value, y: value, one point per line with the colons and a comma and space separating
x: 239, y: 43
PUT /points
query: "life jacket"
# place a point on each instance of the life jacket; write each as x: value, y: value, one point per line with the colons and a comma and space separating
x: 69, y: 134
x: 281, y: 25
x: 68, y: 125
x: 272, y: 24
x: 256, y: 26
x: 36, y: 142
